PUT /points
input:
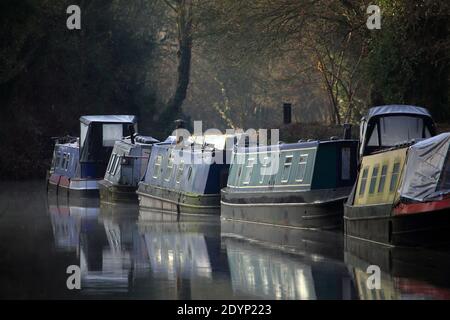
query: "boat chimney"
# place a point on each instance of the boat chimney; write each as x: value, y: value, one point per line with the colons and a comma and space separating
x: 179, y: 124
x: 347, y: 131
x: 287, y: 113
x: 132, y: 133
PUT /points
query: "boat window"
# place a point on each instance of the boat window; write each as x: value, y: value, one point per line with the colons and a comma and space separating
x: 169, y: 168
x: 394, y: 178
x: 67, y: 161
x: 382, y: 178
x: 362, y: 187
x: 398, y: 129
x: 157, y: 167
x: 264, y: 169
x: 111, y: 160
x: 345, y: 163
x: 116, y: 165
x: 63, y: 165
x: 301, y: 167
x: 180, y: 171
x: 58, y: 159
x: 239, y: 172
x: 248, y: 171
x: 110, y: 164
x: 286, y: 169
x: 112, y: 133
x: 373, y: 141
x: 189, y: 174
x: 373, y: 179
x: 83, y: 133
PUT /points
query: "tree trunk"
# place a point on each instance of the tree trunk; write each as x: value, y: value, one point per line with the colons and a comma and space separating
x: 184, y: 24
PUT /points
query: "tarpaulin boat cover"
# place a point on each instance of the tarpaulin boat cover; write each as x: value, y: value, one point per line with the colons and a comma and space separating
x: 424, y: 164
x: 397, y: 109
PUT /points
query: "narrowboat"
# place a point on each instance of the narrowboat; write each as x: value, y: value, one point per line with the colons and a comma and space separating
x: 79, y: 163
x: 402, y: 194
x: 186, y: 177
x: 126, y: 167
x: 302, y: 185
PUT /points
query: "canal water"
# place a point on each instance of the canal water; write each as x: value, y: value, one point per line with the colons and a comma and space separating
x: 124, y: 253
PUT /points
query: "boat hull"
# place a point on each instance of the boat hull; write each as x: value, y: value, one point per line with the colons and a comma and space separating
x: 111, y: 193
x: 72, y: 187
x: 178, y: 202
x: 311, y: 210
x: 327, y: 215
x: 377, y: 223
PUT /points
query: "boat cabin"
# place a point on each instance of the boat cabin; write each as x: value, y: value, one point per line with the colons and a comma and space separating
x: 128, y: 161
x: 183, y: 168
x: 97, y: 137
x: 297, y: 166
x: 78, y: 163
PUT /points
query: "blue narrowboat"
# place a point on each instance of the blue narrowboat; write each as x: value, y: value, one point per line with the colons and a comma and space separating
x: 126, y: 167
x: 186, y: 177
x: 79, y: 163
x: 301, y: 185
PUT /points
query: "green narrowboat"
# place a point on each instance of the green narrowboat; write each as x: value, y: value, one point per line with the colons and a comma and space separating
x: 299, y: 185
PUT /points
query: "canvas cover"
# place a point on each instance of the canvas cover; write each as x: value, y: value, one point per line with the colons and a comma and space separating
x: 397, y: 109
x: 424, y: 165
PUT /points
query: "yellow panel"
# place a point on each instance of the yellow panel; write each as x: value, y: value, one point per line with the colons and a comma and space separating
x: 372, y: 190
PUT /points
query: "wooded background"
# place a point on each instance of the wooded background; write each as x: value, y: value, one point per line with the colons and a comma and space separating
x: 229, y: 63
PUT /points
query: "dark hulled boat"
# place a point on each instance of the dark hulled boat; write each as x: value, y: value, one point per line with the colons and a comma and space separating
x: 181, y: 179
x: 402, y: 195
x: 79, y: 163
x: 126, y: 167
x: 297, y: 185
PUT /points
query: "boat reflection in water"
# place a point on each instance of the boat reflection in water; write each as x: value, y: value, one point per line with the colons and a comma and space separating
x: 102, y: 239
x: 406, y: 273
x: 284, y: 263
x: 124, y: 253
x: 127, y: 253
x: 185, y: 255
x: 175, y: 248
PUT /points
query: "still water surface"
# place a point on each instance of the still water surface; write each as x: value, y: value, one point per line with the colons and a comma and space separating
x: 125, y: 253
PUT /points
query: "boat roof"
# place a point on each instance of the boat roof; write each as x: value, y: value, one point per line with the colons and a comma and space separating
x: 108, y: 119
x: 145, y: 139
x: 292, y: 146
x: 397, y: 109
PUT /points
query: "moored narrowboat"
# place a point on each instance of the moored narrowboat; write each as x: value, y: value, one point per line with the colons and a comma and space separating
x: 186, y: 177
x: 79, y: 163
x: 299, y: 185
x: 126, y: 167
x: 402, y: 194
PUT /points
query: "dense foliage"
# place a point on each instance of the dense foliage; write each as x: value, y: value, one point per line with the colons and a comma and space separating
x: 230, y: 63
